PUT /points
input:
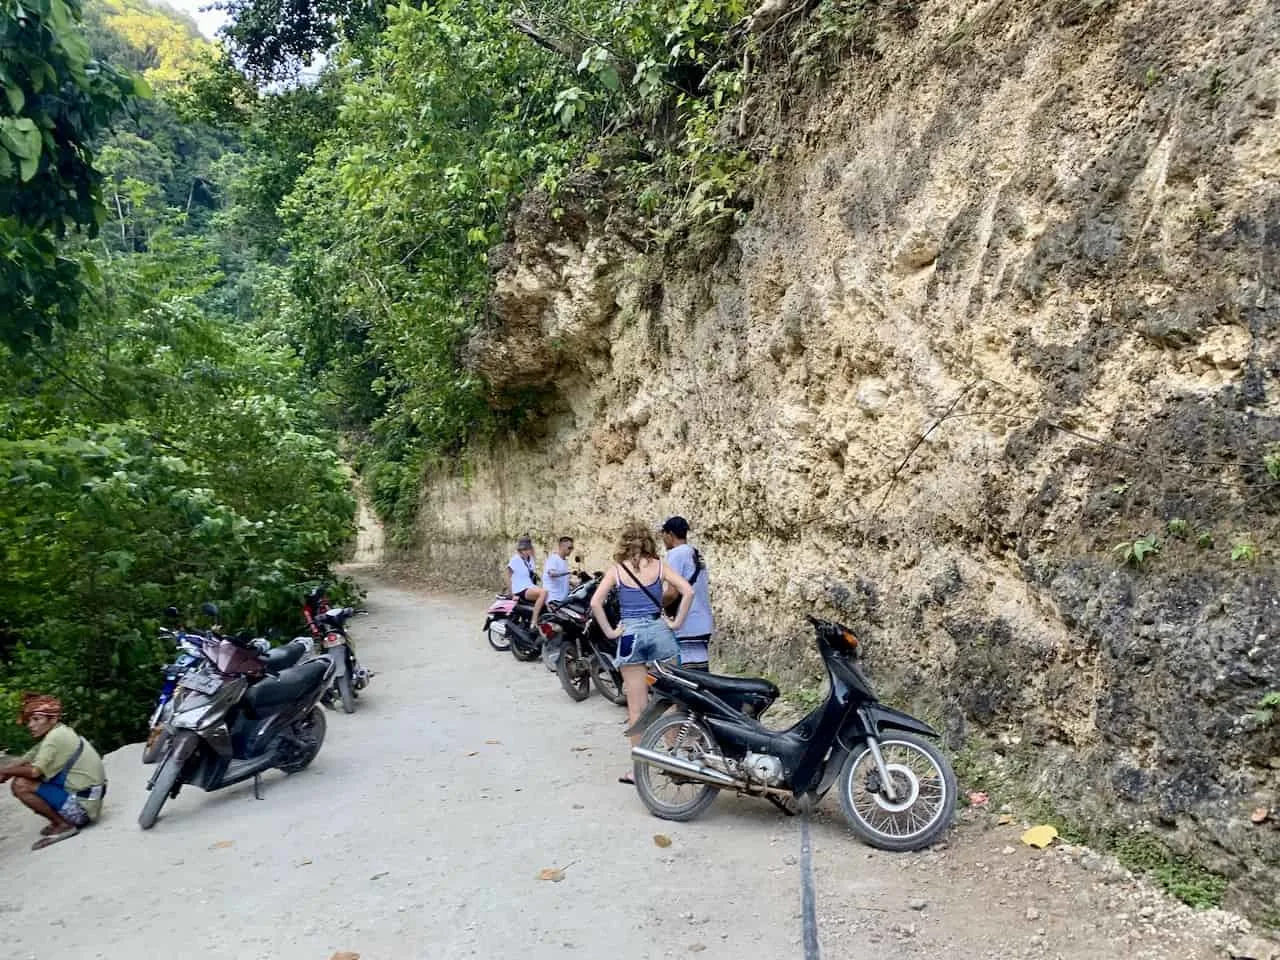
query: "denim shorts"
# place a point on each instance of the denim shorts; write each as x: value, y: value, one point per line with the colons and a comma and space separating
x: 645, y: 641
x: 64, y: 804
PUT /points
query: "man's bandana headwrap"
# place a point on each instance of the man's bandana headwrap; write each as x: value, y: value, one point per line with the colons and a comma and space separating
x: 33, y: 703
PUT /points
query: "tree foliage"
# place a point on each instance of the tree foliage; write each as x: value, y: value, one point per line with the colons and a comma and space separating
x: 57, y: 99
x: 160, y: 445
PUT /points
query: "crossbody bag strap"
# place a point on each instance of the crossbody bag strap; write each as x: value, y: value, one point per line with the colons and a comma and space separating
x: 66, y: 767
x: 656, y: 601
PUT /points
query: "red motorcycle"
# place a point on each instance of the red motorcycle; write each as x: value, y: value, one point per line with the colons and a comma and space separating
x: 328, y: 628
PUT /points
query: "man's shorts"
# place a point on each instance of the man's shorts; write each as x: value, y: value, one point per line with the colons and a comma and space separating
x: 66, y: 805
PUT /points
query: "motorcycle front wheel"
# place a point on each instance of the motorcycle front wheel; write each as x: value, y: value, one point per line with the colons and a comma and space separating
x: 166, y: 779
x: 925, y: 787
x: 498, y: 639
x: 669, y: 795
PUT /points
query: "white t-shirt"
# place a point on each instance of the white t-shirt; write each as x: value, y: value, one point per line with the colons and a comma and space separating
x: 555, y: 575
x: 521, y: 574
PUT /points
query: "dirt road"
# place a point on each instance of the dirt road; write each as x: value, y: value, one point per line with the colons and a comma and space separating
x: 421, y: 829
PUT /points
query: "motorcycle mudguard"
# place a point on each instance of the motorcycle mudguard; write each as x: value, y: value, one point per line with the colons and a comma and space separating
x: 882, y: 718
x: 338, y: 654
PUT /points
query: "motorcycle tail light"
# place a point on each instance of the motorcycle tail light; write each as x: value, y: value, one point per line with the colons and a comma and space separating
x: 547, y: 629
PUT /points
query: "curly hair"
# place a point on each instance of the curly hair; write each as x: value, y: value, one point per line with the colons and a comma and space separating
x: 635, y: 542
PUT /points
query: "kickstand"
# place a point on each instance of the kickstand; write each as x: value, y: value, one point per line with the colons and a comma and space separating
x: 257, y: 786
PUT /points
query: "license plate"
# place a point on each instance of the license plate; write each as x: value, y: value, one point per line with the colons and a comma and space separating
x: 200, y: 682
x: 334, y: 640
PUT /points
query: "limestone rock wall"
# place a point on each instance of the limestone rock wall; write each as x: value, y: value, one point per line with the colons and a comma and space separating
x: 1008, y: 297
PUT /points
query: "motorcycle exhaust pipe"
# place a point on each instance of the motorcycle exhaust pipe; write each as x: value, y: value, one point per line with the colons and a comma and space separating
x: 694, y: 771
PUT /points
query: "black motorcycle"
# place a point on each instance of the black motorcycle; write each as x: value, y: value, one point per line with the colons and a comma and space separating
x: 896, y: 789
x: 583, y: 655
x: 239, y: 713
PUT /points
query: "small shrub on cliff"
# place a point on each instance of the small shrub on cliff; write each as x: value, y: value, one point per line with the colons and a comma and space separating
x: 1265, y: 711
x: 1135, y: 552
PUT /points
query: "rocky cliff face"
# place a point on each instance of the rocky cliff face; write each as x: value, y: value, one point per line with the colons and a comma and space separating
x: 1008, y: 297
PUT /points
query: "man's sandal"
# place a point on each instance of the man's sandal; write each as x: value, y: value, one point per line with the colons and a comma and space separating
x: 51, y: 839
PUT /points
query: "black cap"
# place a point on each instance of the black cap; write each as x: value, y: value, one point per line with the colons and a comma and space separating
x: 677, y: 527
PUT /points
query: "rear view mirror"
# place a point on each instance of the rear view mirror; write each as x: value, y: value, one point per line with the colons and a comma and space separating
x: 209, y: 610
x: 172, y: 613
x: 577, y: 558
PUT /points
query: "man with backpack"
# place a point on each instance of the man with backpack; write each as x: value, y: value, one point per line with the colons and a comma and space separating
x: 695, y: 634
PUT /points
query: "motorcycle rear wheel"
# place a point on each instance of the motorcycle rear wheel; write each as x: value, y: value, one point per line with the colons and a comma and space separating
x: 157, y: 743
x: 684, y: 737
x: 524, y: 656
x: 166, y: 779
x: 928, y: 803
x: 313, y: 732
x: 348, y: 699
x: 575, y: 676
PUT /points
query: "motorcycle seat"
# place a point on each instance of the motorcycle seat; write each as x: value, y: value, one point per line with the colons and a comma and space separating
x: 723, y: 686
x: 283, y: 657
x: 288, y: 685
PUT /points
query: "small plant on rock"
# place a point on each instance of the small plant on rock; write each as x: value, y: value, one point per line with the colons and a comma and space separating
x: 1244, y: 551
x: 1135, y: 552
x: 1265, y: 710
x: 1178, y: 527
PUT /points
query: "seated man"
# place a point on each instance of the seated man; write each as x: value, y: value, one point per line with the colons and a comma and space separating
x: 522, y: 580
x: 61, y: 778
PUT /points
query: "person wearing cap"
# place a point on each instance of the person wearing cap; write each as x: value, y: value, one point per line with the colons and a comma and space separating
x: 61, y: 778
x: 695, y: 634
x: 522, y: 580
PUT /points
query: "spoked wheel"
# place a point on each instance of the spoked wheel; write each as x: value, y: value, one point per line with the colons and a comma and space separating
x: 669, y: 795
x: 497, y: 633
x: 575, y: 676
x: 606, y: 680
x: 310, y: 733
x: 925, y: 794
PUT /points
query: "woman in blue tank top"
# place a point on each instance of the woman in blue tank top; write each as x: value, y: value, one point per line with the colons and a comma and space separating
x: 645, y: 635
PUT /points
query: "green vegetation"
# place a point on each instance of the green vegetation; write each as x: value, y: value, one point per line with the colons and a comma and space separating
x: 157, y: 441
x: 1135, y: 552
x: 1182, y: 876
x: 1265, y: 710
x: 979, y: 767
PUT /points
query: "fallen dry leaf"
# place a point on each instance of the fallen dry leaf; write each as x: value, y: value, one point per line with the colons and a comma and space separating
x: 1260, y: 815
x: 345, y: 955
x: 579, y: 749
x: 1040, y: 836
x: 474, y: 753
x: 697, y: 947
x: 304, y: 862
x: 554, y: 874
x: 223, y: 844
x: 978, y: 799
x: 1004, y: 820
x: 662, y: 840
x: 493, y: 741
